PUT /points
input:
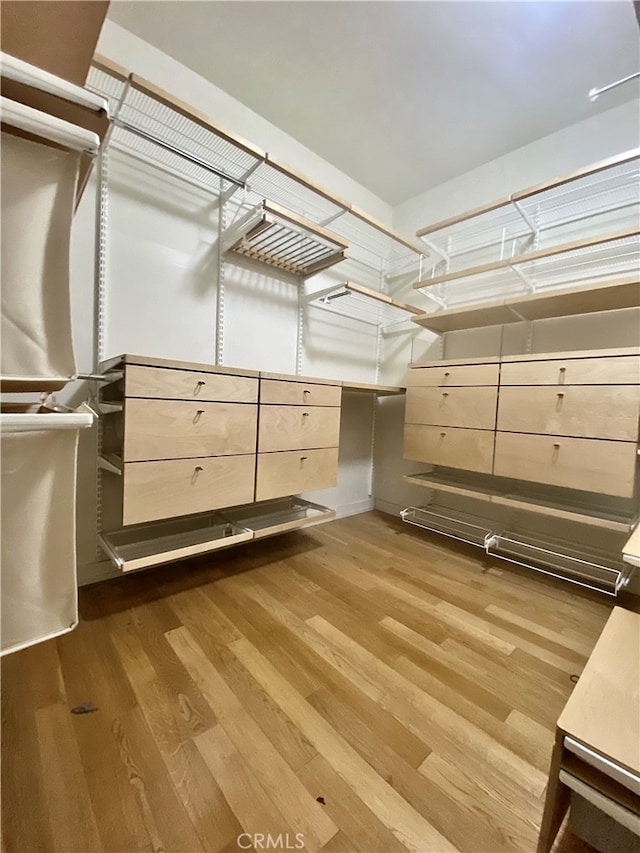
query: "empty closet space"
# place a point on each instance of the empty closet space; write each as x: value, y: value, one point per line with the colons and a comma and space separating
x: 320, y: 427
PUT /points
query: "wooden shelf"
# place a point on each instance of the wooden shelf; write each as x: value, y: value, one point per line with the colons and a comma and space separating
x: 584, y: 299
x: 499, y: 491
x: 282, y: 239
x: 370, y: 388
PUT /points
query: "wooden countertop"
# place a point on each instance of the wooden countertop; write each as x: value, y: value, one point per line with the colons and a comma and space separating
x: 603, y: 711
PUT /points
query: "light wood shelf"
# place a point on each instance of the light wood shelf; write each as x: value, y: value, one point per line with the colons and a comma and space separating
x: 501, y: 492
x: 349, y: 299
x: 584, y: 299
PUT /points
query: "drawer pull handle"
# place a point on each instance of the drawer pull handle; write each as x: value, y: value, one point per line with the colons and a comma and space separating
x: 197, y: 415
x: 306, y: 391
x: 199, y: 386
x: 560, y: 393
x: 445, y: 393
x: 196, y: 471
x: 447, y: 373
x: 305, y: 414
x: 442, y: 434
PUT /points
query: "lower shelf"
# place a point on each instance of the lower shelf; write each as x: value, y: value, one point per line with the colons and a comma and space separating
x: 548, y: 557
x: 141, y: 546
x: 529, y: 498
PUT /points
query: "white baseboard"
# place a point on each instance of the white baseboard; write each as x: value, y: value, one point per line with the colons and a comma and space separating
x: 355, y: 508
x: 389, y: 508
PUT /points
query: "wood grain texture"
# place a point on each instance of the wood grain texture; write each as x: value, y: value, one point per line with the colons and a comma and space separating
x: 411, y: 685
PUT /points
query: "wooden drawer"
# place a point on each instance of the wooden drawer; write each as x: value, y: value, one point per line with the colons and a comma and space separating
x: 153, y: 490
x: 293, y: 472
x: 299, y: 393
x: 616, y: 370
x: 607, y: 467
x: 298, y: 427
x: 590, y: 411
x: 171, y: 429
x: 189, y: 385
x: 461, y: 374
x: 471, y: 449
x: 462, y: 407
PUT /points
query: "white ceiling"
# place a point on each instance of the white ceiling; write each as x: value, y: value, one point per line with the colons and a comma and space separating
x: 403, y: 95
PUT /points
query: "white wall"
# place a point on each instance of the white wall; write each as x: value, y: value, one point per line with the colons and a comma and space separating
x: 162, y: 280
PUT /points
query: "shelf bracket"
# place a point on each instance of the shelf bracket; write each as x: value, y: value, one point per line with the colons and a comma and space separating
x: 532, y: 225
x: 524, y: 278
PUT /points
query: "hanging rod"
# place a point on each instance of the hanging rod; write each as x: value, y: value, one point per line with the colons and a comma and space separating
x: 594, y: 94
x: 143, y: 134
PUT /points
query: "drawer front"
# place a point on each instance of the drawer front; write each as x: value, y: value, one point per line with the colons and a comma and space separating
x: 590, y: 411
x: 461, y: 374
x: 615, y: 370
x: 153, y: 490
x: 470, y: 449
x: 607, y: 467
x: 299, y: 393
x: 171, y: 429
x: 298, y: 427
x: 189, y: 385
x: 293, y: 472
x: 462, y: 407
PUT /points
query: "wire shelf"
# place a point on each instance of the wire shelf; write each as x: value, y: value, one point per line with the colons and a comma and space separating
x: 608, y: 193
x: 357, y: 302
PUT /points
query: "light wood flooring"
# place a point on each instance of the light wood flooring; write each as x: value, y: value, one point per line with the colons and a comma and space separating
x: 408, y: 683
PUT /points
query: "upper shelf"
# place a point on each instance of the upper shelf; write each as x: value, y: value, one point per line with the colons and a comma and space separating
x: 602, y: 196
x: 280, y: 238
x: 153, y: 125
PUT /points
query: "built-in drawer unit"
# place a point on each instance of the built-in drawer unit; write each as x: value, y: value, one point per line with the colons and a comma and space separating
x: 447, y: 374
x: 603, y: 370
x: 295, y: 471
x: 471, y: 449
x: 587, y: 411
x: 298, y: 436
x: 298, y: 427
x: 171, y: 429
x: 295, y: 393
x: 570, y: 420
x: 606, y: 467
x: 171, y: 384
x: 473, y: 407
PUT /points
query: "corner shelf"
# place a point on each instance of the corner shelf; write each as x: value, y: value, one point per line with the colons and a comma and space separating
x: 561, y: 302
x: 273, y: 235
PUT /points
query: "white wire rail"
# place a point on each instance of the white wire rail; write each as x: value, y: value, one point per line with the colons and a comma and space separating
x: 361, y: 303
x: 606, y: 192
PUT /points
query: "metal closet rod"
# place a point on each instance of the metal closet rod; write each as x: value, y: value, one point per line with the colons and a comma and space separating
x: 143, y: 134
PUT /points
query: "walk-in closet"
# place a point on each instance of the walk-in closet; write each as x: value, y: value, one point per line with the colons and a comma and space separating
x: 319, y: 428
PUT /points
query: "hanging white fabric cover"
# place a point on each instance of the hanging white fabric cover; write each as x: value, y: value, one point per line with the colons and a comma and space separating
x: 38, y: 550
x: 38, y: 196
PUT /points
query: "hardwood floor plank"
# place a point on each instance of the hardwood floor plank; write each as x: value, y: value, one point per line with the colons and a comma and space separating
x: 427, y: 717
x: 253, y: 808
x: 299, y: 809
x: 72, y: 820
x: 410, y: 828
x: 410, y: 681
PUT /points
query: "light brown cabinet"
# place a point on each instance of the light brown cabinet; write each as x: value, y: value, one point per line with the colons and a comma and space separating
x: 563, y: 419
x: 193, y: 438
